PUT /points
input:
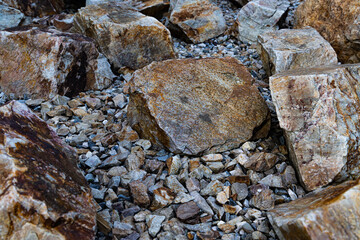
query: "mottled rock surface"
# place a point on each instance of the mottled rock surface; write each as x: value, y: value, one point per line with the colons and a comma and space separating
x: 9, y: 17
x: 288, y: 49
x: 199, y: 20
x: 325, y: 15
x: 42, y: 192
x: 36, y: 8
x: 319, y: 111
x: 126, y: 37
x: 42, y: 62
x: 191, y: 106
x: 258, y: 17
x: 332, y: 213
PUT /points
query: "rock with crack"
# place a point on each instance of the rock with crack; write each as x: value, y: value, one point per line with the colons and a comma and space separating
x: 331, y: 213
x: 36, y: 8
x: 41, y: 62
x: 126, y: 37
x: 9, y: 17
x: 192, y: 106
x: 42, y: 192
x: 319, y: 110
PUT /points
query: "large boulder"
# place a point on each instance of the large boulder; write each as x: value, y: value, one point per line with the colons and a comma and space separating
x: 332, y: 213
x: 126, y: 37
x: 42, y: 62
x: 36, y: 8
x: 192, y: 106
x: 337, y: 21
x: 43, y: 195
x: 258, y: 17
x: 199, y: 20
x: 9, y: 17
x: 319, y: 109
x: 288, y: 49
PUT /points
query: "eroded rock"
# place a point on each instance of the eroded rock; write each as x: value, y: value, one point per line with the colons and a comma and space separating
x: 9, y: 17
x: 36, y: 8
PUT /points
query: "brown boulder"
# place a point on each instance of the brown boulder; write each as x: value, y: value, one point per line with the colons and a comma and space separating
x: 42, y: 192
x: 195, y: 105
x: 36, y: 8
x: 337, y: 21
x: 42, y: 62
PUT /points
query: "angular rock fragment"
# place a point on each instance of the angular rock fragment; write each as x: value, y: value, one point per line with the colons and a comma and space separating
x: 331, y: 213
x: 196, y: 105
x: 42, y: 62
x: 319, y: 111
x: 36, y: 8
x: 9, y: 17
x: 139, y: 193
x: 187, y: 211
x: 126, y: 37
x: 288, y: 49
x: 42, y: 193
x: 199, y: 20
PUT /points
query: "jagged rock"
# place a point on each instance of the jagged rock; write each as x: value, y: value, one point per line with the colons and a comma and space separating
x: 288, y: 49
x: 324, y: 15
x: 319, y: 111
x: 199, y: 20
x: 139, y: 193
x: 42, y: 62
x: 126, y: 37
x: 259, y: 162
x: 183, y: 104
x: 9, y: 17
x: 154, y: 223
x: 162, y: 198
x: 42, y: 192
x: 331, y: 213
x: 187, y: 211
x: 36, y: 8
x: 258, y: 17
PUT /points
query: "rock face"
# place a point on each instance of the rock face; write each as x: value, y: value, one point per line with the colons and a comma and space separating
x: 258, y: 17
x: 196, y: 105
x: 42, y: 193
x: 126, y: 37
x: 200, y: 20
x: 36, y: 8
x: 9, y: 17
x: 331, y: 213
x: 289, y: 49
x: 319, y: 111
x: 42, y: 62
x: 324, y: 15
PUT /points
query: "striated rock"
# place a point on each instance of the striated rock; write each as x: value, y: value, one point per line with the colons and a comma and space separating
x: 126, y: 37
x: 9, y: 17
x: 319, y: 111
x: 331, y: 213
x: 42, y: 192
x: 199, y: 20
x: 218, y: 111
x: 258, y: 17
x: 324, y: 15
x: 288, y: 49
x: 42, y: 62
x: 36, y: 8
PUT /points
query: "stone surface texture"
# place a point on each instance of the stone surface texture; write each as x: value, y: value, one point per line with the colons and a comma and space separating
x: 191, y: 106
x: 43, y: 195
x: 200, y: 20
x: 288, y: 49
x: 319, y: 110
x: 9, y: 17
x: 332, y: 213
x: 325, y: 15
x: 42, y: 62
x: 126, y: 37
x: 36, y: 8
x: 258, y: 17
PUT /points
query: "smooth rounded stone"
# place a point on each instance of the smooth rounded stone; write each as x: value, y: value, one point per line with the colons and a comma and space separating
x: 187, y: 211
x: 40, y: 183
x: 309, y: 103
x: 126, y: 37
x: 240, y: 189
x: 9, y: 17
x: 36, y: 8
x: 324, y: 15
x: 42, y: 62
x: 199, y: 20
x: 337, y: 207
x: 288, y: 49
x: 272, y: 180
x: 221, y: 101
x: 258, y: 17
x: 139, y: 193
x: 154, y: 224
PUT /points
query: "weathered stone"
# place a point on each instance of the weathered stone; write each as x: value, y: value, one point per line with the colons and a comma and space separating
x: 258, y: 17
x: 319, y: 111
x: 174, y: 164
x: 36, y: 8
x: 201, y: 202
x: 42, y: 62
x: 139, y: 193
x: 218, y: 111
x: 126, y: 37
x: 9, y: 17
x: 213, y: 188
x: 324, y: 15
x: 136, y: 159
x: 240, y: 189
x: 154, y: 223
x: 42, y: 192
x: 272, y: 180
x: 200, y: 20
x: 122, y: 229
x: 288, y: 49
x: 174, y: 185
x: 162, y: 198
x: 187, y: 211
x: 263, y: 198
x: 260, y: 161
x: 331, y: 213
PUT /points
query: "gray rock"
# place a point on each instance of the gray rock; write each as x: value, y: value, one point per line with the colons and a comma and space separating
x: 154, y: 224
x: 240, y: 189
x: 174, y: 184
x: 272, y: 180
x: 201, y: 202
x: 9, y: 17
x: 213, y: 188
